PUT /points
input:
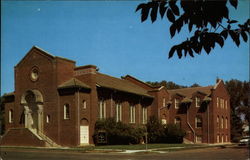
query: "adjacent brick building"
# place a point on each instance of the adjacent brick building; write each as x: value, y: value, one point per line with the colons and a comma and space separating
x: 58, y: 103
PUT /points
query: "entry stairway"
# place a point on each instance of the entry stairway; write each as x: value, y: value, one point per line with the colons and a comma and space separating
x: 26, y: 137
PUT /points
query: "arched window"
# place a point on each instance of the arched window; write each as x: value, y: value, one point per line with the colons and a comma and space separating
x: 84, y: 104
x: 222, y: 122
x: 144, y: 115
x: 198, y: 122
x: 197, y: 101
x: 48, y: 119
x: 66, y: 113
x: 164, y: 102
x: 118, y: 112
x: 132, y: 113
x: 176, y: 103
x: 218, y: 121
x: 11, y: 116
x: 177, y: 121
x: 102, y: 109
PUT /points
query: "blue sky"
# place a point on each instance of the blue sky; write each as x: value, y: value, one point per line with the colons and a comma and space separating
x: 109, y: 34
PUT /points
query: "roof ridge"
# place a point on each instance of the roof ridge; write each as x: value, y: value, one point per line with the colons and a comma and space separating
x: 190, y: 88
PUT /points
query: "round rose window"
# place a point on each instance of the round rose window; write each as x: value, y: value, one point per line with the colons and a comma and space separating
x: 34, y: 74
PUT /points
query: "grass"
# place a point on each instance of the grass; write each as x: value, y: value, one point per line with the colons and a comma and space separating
x: 143, y: 146
x: 158, y: 147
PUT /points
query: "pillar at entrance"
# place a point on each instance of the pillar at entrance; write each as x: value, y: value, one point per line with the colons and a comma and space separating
x: 40, y: 118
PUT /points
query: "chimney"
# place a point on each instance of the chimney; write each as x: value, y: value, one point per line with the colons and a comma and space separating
x: 88, y: 69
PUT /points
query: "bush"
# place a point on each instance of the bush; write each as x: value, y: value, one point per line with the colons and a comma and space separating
x: 118, y: 132
x: 158, y: 133
x: 173, y: 134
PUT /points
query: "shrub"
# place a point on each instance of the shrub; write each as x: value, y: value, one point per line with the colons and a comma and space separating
x: 118, y: 132
x: 159, y: 133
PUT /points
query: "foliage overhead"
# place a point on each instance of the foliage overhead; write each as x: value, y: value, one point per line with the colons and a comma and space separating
x: 209, y: 18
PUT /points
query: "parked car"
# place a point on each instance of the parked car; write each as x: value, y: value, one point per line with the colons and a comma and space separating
x: 245, y: 141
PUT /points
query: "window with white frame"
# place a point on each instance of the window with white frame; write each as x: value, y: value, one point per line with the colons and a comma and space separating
x: 225, y: 104
x: 217, y: 102
x: 84, y: 104
x: 132, y: 113
x: 218, y: 138
x: 177, y: 121
x: 176, y: 103
x: 164, y: 102
x: 197, y: 101
x: 11, y: 116
x: 198, y: 122
x: 66, y: 113
x: 102, y: 109
x: 221, y: 104
x: 48, y: 119
x: 118, y: 112
x: 144, y: 115
x: 222, y: 122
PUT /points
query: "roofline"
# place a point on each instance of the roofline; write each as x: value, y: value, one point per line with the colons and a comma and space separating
x: 86, y: 66
x: 62, y: 58
x: 124, y: 91
x: 123, y: 77
x: 37, y: 48
x: 45, y: 53
x: 189, y: 88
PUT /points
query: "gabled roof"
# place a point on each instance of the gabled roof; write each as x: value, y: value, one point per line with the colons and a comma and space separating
x: 73, y: 83
x: 188, y: 92
x: 44, y: 53
x: 123, y: 85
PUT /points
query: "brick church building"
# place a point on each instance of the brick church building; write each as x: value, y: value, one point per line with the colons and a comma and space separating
x: 56, y: 103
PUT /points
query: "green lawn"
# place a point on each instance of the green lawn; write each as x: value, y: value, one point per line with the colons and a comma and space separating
x: 143, y: 146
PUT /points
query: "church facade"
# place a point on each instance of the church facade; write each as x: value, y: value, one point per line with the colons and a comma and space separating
x: 56, y: 103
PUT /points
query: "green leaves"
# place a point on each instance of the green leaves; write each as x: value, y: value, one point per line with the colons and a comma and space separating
x: 234, y: 3
x: 198, y: 15
x: 170, y: 15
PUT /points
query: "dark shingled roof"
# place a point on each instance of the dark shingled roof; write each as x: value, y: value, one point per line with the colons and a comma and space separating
x: 73, y: 83
x: 188, y: 92
x: 120, y: 84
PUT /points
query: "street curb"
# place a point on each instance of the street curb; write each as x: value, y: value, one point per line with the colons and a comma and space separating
x: 91, y: 149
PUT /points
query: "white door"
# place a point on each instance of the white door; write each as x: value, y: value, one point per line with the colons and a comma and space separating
x: 84, y: 134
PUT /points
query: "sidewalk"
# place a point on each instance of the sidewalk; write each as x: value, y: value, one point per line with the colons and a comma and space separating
x: 93, y: 149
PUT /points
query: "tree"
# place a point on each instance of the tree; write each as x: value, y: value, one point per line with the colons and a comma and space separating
x: 168, y: 85
x: 209, y: 18
x: 239, y: 99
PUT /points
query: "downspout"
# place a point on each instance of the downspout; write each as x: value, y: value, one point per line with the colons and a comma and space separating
x: 78, y: 117
x: 190, y: 126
